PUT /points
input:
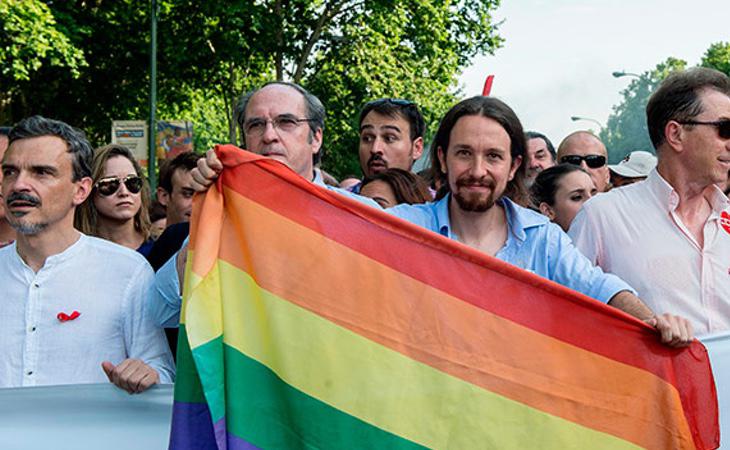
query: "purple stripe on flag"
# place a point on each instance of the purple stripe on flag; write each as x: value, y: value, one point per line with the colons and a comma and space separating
x: 191, y: 427
x: 236, y: 443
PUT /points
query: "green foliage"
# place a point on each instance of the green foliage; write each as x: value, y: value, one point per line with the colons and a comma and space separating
x: 210, y: 127
x: 30, y: 39
x: 626, y: 129
x: 347, y: 52
x: 718, y: 57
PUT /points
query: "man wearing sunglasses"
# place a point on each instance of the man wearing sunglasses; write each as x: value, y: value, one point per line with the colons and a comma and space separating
x: 584, y: 149
x: 669, y: 236
x: 73, y: 305
x: 391, y: 135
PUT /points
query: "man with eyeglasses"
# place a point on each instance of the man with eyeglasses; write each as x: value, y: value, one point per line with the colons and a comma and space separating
x: 73, y: 305
x: 584, y: 149
x: 669, y: 236
x: 391, y: 135
x: 282, y: 121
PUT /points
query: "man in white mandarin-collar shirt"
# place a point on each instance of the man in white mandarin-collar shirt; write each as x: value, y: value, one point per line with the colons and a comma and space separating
x: 71, y: 306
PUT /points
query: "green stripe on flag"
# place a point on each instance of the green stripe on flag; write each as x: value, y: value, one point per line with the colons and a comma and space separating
x: 187, y: 383
x: 269, y: 413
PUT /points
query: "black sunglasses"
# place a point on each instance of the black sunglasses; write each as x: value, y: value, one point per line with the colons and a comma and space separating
x: 110, y: 185
x: 723, y: 126
x: 592, y: 161
x: 394, y: 101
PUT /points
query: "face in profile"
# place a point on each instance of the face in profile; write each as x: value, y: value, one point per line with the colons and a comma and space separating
x: 117, y: 194
x: 573, y: 189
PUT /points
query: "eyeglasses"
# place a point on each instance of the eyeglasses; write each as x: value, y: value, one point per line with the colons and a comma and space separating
x: 285, y: 123
x: 110, y: 185
x: 394, y: 101
x: 723, y: 126
x: 592, y: 161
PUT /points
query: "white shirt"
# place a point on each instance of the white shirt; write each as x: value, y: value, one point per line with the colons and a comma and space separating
x: 108, y: 285
x: 636, y: 233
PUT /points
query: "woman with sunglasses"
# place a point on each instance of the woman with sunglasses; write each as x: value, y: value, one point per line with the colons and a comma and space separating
x: 560, y: 191
x: 117, y: 209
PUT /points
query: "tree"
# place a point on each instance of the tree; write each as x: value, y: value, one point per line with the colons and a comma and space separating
x: 718, y: 57
x: 30, y: 39
x: 626, y: 128
x: 345, y: 51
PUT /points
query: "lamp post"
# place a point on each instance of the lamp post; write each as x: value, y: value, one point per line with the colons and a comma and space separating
x: 152, y: 122
x: 577, y: 118
x: 625, y: 74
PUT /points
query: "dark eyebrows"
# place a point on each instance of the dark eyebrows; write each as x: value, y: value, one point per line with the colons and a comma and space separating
x: 387, y: 127
x: 392, y: 127
x: 48, y: 169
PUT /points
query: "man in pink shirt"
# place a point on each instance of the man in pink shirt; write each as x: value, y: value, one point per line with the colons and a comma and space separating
x: 669, y: 236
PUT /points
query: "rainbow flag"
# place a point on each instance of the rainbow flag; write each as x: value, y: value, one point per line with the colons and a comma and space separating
x: 312, y: 321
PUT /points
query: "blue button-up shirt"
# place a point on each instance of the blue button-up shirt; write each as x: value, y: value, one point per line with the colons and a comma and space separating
x: 533, y: 243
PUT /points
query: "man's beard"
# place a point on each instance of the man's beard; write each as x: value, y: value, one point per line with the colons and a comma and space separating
x: 27, y: 228
x: 16, y: 219
x: 475, y: 202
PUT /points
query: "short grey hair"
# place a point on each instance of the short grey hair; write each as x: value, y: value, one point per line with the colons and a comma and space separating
x: 78, y: 146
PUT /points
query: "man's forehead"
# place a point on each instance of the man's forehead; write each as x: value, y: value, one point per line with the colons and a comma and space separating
x: 397, y: 122
x: 182, y: 177
x: 536, y: 144
x: 716, y: 103
x: 38, y: 149
x: 275, y: 100
x: 583, y: 145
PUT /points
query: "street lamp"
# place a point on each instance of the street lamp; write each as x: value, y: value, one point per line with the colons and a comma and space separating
x: 577, y: 118
x: 625, y: 74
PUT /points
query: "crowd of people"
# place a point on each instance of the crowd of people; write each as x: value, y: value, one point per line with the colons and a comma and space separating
x: 92, y: 267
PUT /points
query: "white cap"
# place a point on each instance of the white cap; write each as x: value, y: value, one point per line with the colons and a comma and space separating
x: 636, y: 164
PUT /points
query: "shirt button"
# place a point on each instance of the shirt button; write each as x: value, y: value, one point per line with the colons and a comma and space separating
x: 31, y: 329
x: 30, y: 372
x: 36, y: 285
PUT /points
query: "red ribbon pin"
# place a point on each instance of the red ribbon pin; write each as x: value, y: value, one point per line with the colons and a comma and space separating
x: 63, y: 317
x: 725, y: 221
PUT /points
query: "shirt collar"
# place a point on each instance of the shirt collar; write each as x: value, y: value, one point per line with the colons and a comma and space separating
x: 58, y: 258
x: 518, y: 219
x: 669, y: 197
x: 664, y: 191
x: 318, y: 178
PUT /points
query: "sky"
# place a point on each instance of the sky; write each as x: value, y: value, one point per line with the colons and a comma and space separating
x: 558, y: 55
